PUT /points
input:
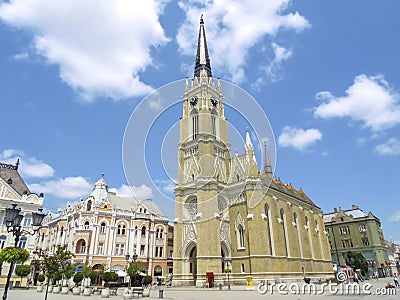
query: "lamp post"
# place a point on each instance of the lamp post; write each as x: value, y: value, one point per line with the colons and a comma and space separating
x: 227, y: 262
x: 13, y: 223
x: 134, y: 258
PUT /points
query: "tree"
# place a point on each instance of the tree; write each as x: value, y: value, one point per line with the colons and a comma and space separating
x: 22, y: 270
x: 52, y: 264
x: 14, y: 255
x: 77, y: 278
x: 133, y: 270
x: 357, y: 261
x: 109, y: 277
x: 88, y: 272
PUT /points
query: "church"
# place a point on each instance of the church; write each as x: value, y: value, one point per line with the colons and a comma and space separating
x: 230, y: 216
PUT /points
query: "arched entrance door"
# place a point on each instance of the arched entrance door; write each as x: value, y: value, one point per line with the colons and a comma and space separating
x: 193, y: 263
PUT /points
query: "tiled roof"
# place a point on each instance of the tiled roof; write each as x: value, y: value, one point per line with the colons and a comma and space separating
x: 9, y: 173
x: 288, y: 189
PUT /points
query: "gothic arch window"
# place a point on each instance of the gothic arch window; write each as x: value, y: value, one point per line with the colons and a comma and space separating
x: 296, y: 225
x: 89, y: 205
x: 86, y: 225
x: 214, y: 123
x: 194, y: 123
x: 143, y: 230
x: 283, y: 223
x: 239, y: 224
x: 267, y: 213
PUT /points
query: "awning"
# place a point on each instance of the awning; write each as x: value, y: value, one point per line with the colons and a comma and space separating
x: 121, y: 273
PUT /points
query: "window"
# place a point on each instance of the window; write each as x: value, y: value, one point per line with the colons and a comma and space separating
x: 100, y: 248
x: 119, y: 249
x: 159, y: 251
x: 2, y: 241
x: 119, y: 229
x: 136, y: 229
x: 159, y: 233
x: 89, y: 205
x: 86, y: 226
x: 241, y: 236
x: 123, y: 230
x: 344, y: 230
x: 268, y: 221
x: 143, y: 230
x: 365, y: 242
x: 61, y: 231
x: 243, y: 268
x: 142, y: 250
x: 81, y: 246
x: 214, y: 124
x: 347, y: 243
x: 362, y: 228
x: 103, y: 227
x: 22, y: 242
x: 282, y: 215
x: 195, y: 125
x: 27, y: 220
x: 330, y: 245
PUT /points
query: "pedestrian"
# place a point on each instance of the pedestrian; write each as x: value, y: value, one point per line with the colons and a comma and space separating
x: 396, y: 281
x: 356, y: 277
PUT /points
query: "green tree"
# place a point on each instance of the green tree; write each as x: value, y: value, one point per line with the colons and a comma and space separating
x: 22, y: 270
x: 77, y: 278
x: 133, y: 270
x: 109, y: 277
x: 52, y: 264
x: 88, y: 272
x: 357, y: 261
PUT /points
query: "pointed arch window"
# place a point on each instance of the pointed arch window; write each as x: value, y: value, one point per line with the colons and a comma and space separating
x: 239, y: 224
x: 103, y: 227
x: 267, y: 213
x: 283, y: 223
x: 89, y: 205
x: 214, y: 124
x: 194, y: 124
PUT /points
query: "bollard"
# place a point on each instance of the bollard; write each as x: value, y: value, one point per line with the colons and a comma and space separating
x: 220, y: 286
x: 160, y: 293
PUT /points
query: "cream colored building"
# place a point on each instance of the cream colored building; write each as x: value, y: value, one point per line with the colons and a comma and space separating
x: 226, y: 216
x: 14, y: 190
x: 104, y: 228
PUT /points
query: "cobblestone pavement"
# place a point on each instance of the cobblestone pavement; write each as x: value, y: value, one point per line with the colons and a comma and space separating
x: 368, y: 290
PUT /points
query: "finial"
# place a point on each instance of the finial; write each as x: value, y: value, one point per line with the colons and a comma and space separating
x: 102, y: 175
x: 201, y: 19
x: 17, y: 164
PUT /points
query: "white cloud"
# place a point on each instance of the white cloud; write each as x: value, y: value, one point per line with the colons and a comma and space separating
x: 67, y: 188
x: 391, y: 147
x: 234, y: 27
x: 369, y: 100
x: 29, y: 166
x: 281, y: 54
x: 395, y: 217
x: 100, y: 46
x: 141, y: 192
x: 167, y: 186
x: 298, y: 138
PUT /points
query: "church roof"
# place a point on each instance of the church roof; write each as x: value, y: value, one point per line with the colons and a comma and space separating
x: 9, y: 173
x: 288, y: 189
x: 202, y: 58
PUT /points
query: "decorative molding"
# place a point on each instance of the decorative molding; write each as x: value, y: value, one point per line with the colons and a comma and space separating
x: 250, y: 216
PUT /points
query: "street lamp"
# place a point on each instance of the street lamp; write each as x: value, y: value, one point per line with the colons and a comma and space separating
x: 227, y: 262
x: 13, y: 223
x: 134, y: 258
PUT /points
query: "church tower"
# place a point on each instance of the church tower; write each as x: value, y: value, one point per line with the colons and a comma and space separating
x: 203, y: 158
x: 230, y: 215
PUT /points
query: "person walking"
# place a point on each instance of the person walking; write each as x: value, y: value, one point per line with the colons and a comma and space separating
x: 396, y: 280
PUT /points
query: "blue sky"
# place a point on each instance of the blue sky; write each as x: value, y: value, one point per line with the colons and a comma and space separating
x: 326, y: 74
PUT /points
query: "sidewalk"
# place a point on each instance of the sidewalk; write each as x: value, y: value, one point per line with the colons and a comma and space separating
x: 236, y: 293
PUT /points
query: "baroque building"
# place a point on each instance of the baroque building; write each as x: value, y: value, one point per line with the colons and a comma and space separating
x: 356, y: 231
x: 103, y: 229
x: 229, y: 215
x: 13, y: 190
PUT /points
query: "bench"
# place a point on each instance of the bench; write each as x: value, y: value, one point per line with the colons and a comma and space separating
x: 137, y: 290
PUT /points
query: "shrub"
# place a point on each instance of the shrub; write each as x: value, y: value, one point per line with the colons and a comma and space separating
x: 41, y: 278
x: 147, y: 280
x: 78, y: 278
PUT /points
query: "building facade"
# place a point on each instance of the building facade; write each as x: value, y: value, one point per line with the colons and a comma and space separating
x: 228, y: 214
x: 103, y: 229
x: 13, y: 190
x: 356, y: 231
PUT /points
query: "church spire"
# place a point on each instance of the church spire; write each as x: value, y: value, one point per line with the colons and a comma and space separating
x: 267, y: 163
x: 202, y: 58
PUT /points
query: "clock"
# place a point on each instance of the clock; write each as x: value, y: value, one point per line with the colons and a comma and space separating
x: 193, y: 101
x: 214, y: 102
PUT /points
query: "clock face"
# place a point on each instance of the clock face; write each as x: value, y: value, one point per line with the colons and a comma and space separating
x: 193, y: 101
x: 214, y: 102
